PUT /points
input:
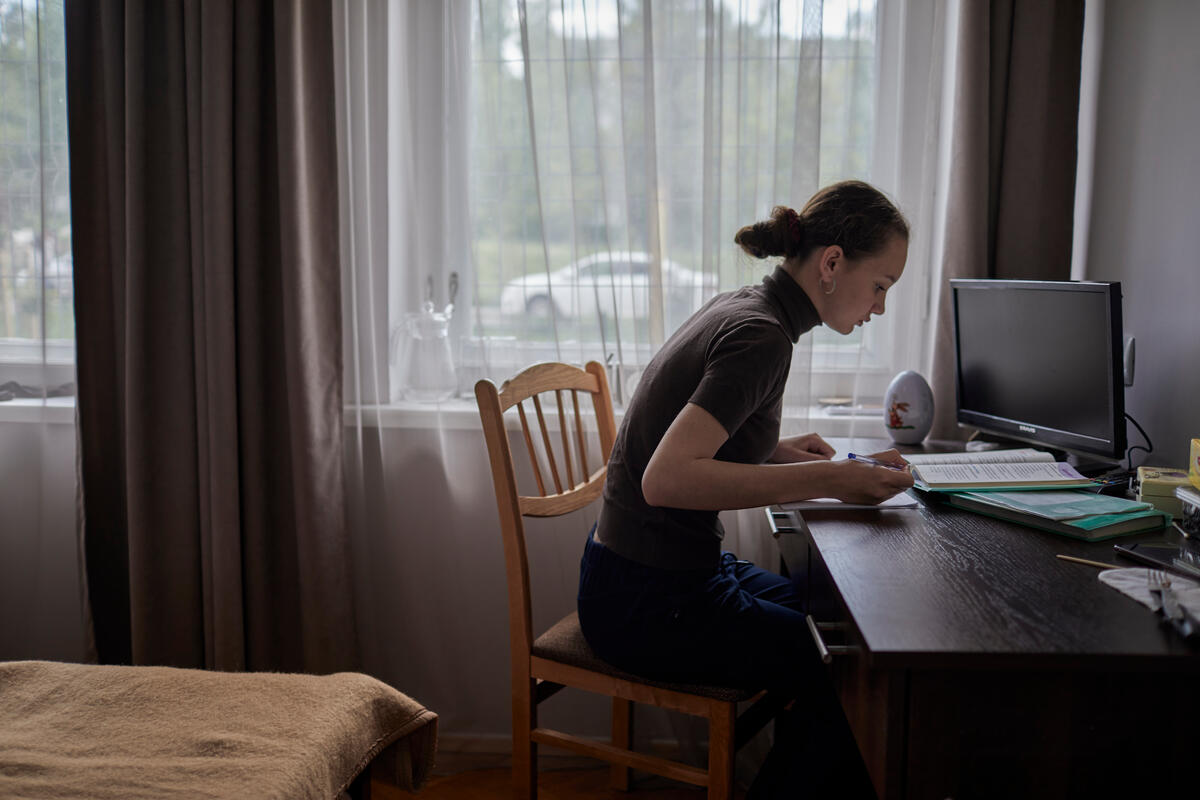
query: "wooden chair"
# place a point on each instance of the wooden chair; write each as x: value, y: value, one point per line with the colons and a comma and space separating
x: 561, y: 657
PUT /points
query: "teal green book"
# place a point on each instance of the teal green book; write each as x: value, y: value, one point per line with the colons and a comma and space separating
x: 1062, y: 505
x: 1092, y: 528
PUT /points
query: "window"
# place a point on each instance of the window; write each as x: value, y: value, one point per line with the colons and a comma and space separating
x: 37, y: 323
x: 654, y: 131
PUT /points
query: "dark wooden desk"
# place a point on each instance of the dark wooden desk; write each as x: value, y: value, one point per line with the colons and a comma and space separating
x: 973, y: 663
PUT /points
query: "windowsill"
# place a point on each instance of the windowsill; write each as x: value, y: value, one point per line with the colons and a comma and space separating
x: 462, y: 414
x: 53, y: 410
x: 454, y: 414
x: 862, y: 420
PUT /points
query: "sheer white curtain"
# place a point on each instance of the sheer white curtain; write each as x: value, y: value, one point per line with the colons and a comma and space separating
x: 40, y: 607
x: 582, y: 166
x: 619, y: 145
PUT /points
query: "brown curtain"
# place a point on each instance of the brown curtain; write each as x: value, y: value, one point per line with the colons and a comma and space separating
x: 207, y: 305
x: 1010, y: 204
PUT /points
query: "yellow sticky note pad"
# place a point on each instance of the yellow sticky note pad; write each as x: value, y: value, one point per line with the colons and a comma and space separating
x: 1194, y: 464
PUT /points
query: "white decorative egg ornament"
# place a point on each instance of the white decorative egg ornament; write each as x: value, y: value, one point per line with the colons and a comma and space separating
x: 908, y: 408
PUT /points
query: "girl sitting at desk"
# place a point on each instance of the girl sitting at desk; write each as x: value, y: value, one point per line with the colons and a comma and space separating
x: 657, y: 596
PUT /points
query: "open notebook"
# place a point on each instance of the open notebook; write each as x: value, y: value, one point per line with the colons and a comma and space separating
x: 993, y: 470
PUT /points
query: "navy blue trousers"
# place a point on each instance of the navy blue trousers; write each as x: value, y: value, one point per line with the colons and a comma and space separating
x: 734, y: 625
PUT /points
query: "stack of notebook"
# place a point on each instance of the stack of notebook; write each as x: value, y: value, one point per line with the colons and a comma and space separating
x: 1029, y: 487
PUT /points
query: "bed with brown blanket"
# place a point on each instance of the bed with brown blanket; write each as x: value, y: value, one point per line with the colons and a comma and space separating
x: 76, y: 730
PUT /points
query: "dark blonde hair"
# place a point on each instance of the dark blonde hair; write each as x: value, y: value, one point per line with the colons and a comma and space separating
x: 852, y: 214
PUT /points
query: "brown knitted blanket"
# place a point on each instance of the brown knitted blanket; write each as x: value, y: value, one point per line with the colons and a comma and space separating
x: 76, y: 730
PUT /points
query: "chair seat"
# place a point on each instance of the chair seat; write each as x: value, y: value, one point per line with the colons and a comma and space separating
x: 564, y: 643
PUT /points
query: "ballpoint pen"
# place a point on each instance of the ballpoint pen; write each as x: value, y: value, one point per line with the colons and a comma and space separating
x: 875, y: 462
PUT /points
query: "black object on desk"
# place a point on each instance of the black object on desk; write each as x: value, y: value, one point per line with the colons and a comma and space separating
x: 1178, y: 556
x: 971, y: 662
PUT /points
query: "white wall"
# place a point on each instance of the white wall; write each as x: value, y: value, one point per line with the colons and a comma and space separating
x: 41, y: 613
x: 1145, y: 210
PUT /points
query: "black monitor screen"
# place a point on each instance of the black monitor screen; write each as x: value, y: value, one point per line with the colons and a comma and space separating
x: 1039, y: 362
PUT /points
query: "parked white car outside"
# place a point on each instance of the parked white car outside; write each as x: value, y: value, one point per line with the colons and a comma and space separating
x: 604, y: 282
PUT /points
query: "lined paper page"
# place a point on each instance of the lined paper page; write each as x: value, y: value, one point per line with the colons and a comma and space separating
x: 982, y: 457
x: 935, y: 474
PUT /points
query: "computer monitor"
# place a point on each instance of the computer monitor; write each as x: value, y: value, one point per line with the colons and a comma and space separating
x: 1040, y: 362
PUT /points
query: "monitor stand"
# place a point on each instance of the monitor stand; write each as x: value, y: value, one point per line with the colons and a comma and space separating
x: 1092, y: 466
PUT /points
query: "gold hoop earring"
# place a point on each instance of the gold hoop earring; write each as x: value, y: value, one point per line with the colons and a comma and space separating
x: 832, y: 288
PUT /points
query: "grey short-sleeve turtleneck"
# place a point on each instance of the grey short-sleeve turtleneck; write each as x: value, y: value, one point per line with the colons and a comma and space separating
x: 732, y: 359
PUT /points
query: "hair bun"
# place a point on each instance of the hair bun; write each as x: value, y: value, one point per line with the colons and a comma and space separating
x: 852, y: 214
x: 781, y: 235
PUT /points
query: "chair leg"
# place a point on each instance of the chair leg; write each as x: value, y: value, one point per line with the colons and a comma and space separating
x: 622, y: 736
x: 722, y: 718
x: 524, y: 749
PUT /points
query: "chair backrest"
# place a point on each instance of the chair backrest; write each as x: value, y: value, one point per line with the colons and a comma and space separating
x: 573, y: 481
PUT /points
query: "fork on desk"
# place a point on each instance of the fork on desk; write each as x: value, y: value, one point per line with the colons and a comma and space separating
x: 1159, y: 584
x: 1157, y: 579
x: 1173, y: 612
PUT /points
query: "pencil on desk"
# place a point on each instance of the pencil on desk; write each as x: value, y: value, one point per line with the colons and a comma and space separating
x: 1099, y: 564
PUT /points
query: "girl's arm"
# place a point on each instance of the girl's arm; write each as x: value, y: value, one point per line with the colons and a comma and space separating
x: 682, y: 473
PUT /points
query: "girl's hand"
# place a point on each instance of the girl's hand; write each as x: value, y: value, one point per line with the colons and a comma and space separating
x: 806, y: 447
x: 868, y: 484
x: 892, y: 457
